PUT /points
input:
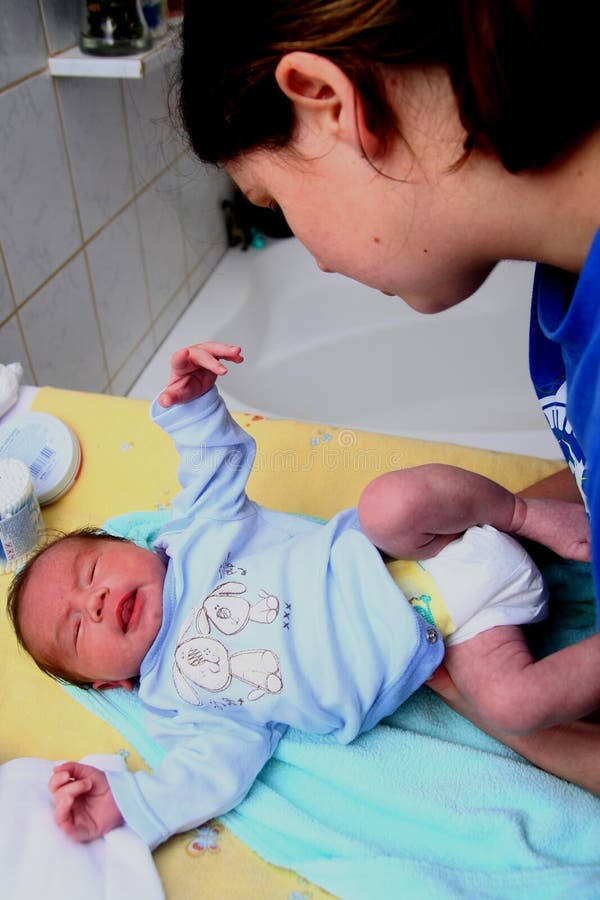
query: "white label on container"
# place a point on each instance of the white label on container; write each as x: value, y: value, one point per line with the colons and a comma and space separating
x: 43, y: 464
x: 21, y: 532
x: 37, y: 445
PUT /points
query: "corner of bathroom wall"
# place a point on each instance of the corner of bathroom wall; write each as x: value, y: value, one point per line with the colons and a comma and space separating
x: 108, y: 227
x: 202, y: 190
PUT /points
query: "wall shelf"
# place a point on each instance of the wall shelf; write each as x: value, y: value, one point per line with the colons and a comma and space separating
x: 73, y: 63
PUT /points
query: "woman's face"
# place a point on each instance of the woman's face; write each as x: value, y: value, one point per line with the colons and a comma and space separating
x: 413, y: 235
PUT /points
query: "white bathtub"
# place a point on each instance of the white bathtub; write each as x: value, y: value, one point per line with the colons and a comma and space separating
x: 322, y: 348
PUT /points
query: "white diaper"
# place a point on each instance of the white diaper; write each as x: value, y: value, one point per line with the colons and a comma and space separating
x: 486, y: 578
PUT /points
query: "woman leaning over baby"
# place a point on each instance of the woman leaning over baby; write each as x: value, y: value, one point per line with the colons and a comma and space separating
x: 411, y: 146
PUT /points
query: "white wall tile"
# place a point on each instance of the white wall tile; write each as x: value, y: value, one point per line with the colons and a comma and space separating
x: 22, y: 44
x: 204, y: 269
x: 115, y: 258
x: 164, y: 323
x: 62, y: 333
x: 203, y: 188
x: 12, y: 348
x: 162, y: 240
x: 38, y: 225
x: 7, y: 305
x: 63, y: 23
x: 154, y: 143
x: 97, y: 142
x: 134, y: 365
x: 45, y: 219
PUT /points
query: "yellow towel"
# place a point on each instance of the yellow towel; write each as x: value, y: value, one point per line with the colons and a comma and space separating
x: 129, y: 464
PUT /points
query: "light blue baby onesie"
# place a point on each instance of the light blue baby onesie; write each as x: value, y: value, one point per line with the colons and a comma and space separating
x: 269, y: 620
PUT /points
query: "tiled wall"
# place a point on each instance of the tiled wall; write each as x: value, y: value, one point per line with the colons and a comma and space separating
x: 108, y: 227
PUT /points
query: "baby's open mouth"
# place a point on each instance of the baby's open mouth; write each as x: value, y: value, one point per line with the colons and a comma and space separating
x: 126, y: 611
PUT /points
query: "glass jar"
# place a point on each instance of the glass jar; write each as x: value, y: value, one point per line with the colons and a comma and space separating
x: 113, y: 28
x: 156, y: 15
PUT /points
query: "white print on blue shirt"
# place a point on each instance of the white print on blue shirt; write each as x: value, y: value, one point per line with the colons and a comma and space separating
x: 554, y: 407
x: 205, y: 662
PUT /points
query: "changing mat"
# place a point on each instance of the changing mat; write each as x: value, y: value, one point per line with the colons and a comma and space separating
x: 502, y: 829
x: 414, y: 808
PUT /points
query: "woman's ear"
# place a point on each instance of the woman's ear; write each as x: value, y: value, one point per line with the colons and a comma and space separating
x: 324, y: 97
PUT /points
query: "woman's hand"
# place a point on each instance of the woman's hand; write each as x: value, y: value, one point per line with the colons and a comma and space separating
x: 195, y: 369
x: 560, y: 525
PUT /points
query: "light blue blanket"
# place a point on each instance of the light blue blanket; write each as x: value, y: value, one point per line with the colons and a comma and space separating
x: 423, y: 806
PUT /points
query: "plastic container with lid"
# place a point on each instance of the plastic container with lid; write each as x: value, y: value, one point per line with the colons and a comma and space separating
x: 21, y: 525
x: 48, y: 447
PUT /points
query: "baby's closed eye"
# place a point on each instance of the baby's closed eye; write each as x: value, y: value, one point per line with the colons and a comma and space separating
x: 76, y: 631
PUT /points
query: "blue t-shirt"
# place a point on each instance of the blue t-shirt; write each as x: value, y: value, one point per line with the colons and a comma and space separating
x: 565, y: 369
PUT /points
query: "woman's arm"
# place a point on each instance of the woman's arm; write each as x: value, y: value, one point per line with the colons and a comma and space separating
x: 570, y: 751
x: 559, y: 486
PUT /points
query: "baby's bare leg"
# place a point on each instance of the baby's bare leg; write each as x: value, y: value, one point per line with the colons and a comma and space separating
x: 517, y: 694
x: 413, y: 513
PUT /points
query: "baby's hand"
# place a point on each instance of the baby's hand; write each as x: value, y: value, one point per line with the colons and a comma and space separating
x: 83, y: 803
x: 195, y: 369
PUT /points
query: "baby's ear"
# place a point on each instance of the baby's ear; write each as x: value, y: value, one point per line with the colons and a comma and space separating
x: 126, y: 684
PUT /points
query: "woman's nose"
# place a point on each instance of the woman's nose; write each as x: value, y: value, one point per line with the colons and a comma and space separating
x: 95, y: 601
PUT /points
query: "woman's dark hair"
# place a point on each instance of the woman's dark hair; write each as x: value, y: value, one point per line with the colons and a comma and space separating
x: 19, y: 583
x: 525, y: 72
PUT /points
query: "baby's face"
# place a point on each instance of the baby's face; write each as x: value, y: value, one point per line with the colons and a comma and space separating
x: 93, y: 607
